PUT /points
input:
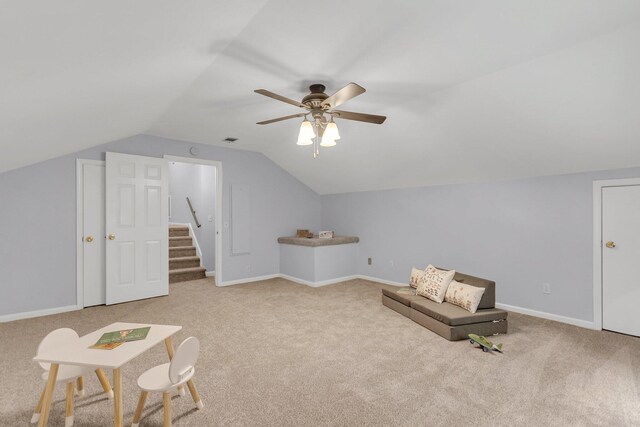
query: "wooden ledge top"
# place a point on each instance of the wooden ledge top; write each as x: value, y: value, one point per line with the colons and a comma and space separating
x: 316, y: 241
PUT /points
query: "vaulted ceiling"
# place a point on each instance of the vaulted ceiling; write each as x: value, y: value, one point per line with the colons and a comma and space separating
x: 473, y: 90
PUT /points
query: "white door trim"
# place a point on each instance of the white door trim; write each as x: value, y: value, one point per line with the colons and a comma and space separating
x: 597, y: 241
x: 218, y: 208
x: 80, y: 227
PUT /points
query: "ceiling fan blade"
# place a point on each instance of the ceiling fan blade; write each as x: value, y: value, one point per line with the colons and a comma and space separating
x: 343, y: 95
x: 279, y: 119
x: 279, y: 97
x: 360, y: 117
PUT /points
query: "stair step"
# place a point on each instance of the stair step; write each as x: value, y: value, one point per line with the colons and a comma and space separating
x: 181, y: 251
x: 178, y: 231
x: 186, y: 274
x: 180, y: 241
x: 184, y: 262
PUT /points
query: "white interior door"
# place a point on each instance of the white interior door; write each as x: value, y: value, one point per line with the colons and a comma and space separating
x: 621, y: 259
x: 93, y: 243
x: 137, y: 245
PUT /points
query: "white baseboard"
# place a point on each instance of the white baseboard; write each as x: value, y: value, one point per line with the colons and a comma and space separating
x: 320, y: 283
x: 556, y: 317
x: 37, y: 313
x: 248, y: 280
x: 210, y: 273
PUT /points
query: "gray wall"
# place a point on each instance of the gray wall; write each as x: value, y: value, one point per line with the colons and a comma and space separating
x: 198, y: 182
x: 38, y: 219
x: 519, y: 233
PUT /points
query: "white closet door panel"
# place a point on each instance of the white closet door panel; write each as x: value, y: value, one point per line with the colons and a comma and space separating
x: 137, y: 252
x: 620, y: 266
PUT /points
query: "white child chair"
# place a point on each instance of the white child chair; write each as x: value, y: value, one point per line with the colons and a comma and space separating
x: 169, y: 376
x: 67, y: 374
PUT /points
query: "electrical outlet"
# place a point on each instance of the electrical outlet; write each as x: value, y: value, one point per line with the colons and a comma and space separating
x: 369, y: 261
x: 546, y: 288
x: 392, y: 264
x: 248, y: 268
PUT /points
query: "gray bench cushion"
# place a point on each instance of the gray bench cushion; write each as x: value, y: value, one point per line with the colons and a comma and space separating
x: 401, y: 298
x: 453, y: 315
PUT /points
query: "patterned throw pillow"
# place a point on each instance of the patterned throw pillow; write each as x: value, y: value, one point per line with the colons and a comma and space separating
x: 415, y: 277
x: 465, y: 296
x: 433, y: 284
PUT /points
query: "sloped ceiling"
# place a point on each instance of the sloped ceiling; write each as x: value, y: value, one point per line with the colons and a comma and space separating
x: 473, y: 91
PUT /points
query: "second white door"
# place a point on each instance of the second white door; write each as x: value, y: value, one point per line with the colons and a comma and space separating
x: 621, y: 259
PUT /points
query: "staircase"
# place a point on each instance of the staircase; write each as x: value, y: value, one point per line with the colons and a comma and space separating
x: 184, y: 264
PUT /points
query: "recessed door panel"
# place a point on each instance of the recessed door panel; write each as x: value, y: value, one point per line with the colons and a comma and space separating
x: 153, y: 172
x: 152, y: 208
x: 153, y: 255
x: 126, y: 205
x: 126, y: 263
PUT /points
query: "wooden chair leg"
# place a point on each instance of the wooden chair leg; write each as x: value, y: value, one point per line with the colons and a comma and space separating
x: 138, y: 414
x: 104, y: 381
x: 36, y: 412
x: 48, y: 395
x: 194, y: 394
x: 80, y: 386
x: 166, y: 400
x: 68, y: 415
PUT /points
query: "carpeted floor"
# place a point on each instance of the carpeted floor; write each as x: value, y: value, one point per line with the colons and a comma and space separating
x: 275, y: 353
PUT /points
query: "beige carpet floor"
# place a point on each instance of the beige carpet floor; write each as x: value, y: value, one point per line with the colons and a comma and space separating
x: 275, y: 353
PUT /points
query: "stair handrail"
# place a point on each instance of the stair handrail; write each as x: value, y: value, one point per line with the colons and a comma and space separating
x: 193, y: 212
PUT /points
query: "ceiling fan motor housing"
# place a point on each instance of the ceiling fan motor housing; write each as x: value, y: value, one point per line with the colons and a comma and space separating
x: 317, y: 95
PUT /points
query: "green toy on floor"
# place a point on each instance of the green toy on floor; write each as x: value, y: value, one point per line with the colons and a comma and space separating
x: 484, y: 343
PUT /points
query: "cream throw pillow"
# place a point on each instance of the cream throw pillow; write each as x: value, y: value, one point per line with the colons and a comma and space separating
x: 465, y: 296
x: 415, y: 277
x: 433, y: 284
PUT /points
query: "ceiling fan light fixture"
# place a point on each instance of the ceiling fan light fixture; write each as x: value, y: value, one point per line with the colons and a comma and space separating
x: 306, y: 130
x: 304, y: 141
x: 327, y: 141
x: 331, y: 131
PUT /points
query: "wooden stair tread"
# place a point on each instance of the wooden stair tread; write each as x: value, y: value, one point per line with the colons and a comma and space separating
x: 188, y: 270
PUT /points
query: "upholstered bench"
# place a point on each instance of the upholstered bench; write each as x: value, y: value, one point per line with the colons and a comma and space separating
x: 447, y: 320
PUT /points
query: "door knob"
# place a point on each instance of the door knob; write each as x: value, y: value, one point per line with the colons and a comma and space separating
x: 111, y: 237
x: 89, y: 239
x: 611, y: 245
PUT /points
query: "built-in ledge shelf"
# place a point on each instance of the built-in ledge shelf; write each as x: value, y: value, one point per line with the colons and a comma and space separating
x: 316, y: 241
x: 316, y: 261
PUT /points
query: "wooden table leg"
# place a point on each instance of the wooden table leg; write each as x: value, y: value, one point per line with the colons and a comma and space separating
x: 80, y: 383
x: 48, y: 395
x: 168, y: 342
x: 104, y: 381
x: 117, y: 401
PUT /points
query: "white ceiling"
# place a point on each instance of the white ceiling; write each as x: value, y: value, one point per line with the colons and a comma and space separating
x: 473, y: 90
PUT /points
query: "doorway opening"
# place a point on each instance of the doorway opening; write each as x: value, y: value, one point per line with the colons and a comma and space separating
x: 195, y: 194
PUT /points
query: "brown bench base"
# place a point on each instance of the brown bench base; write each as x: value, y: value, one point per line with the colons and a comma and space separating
x: 451, y: 333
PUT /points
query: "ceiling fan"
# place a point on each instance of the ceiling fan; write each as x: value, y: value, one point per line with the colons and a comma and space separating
x: 321, y: 107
